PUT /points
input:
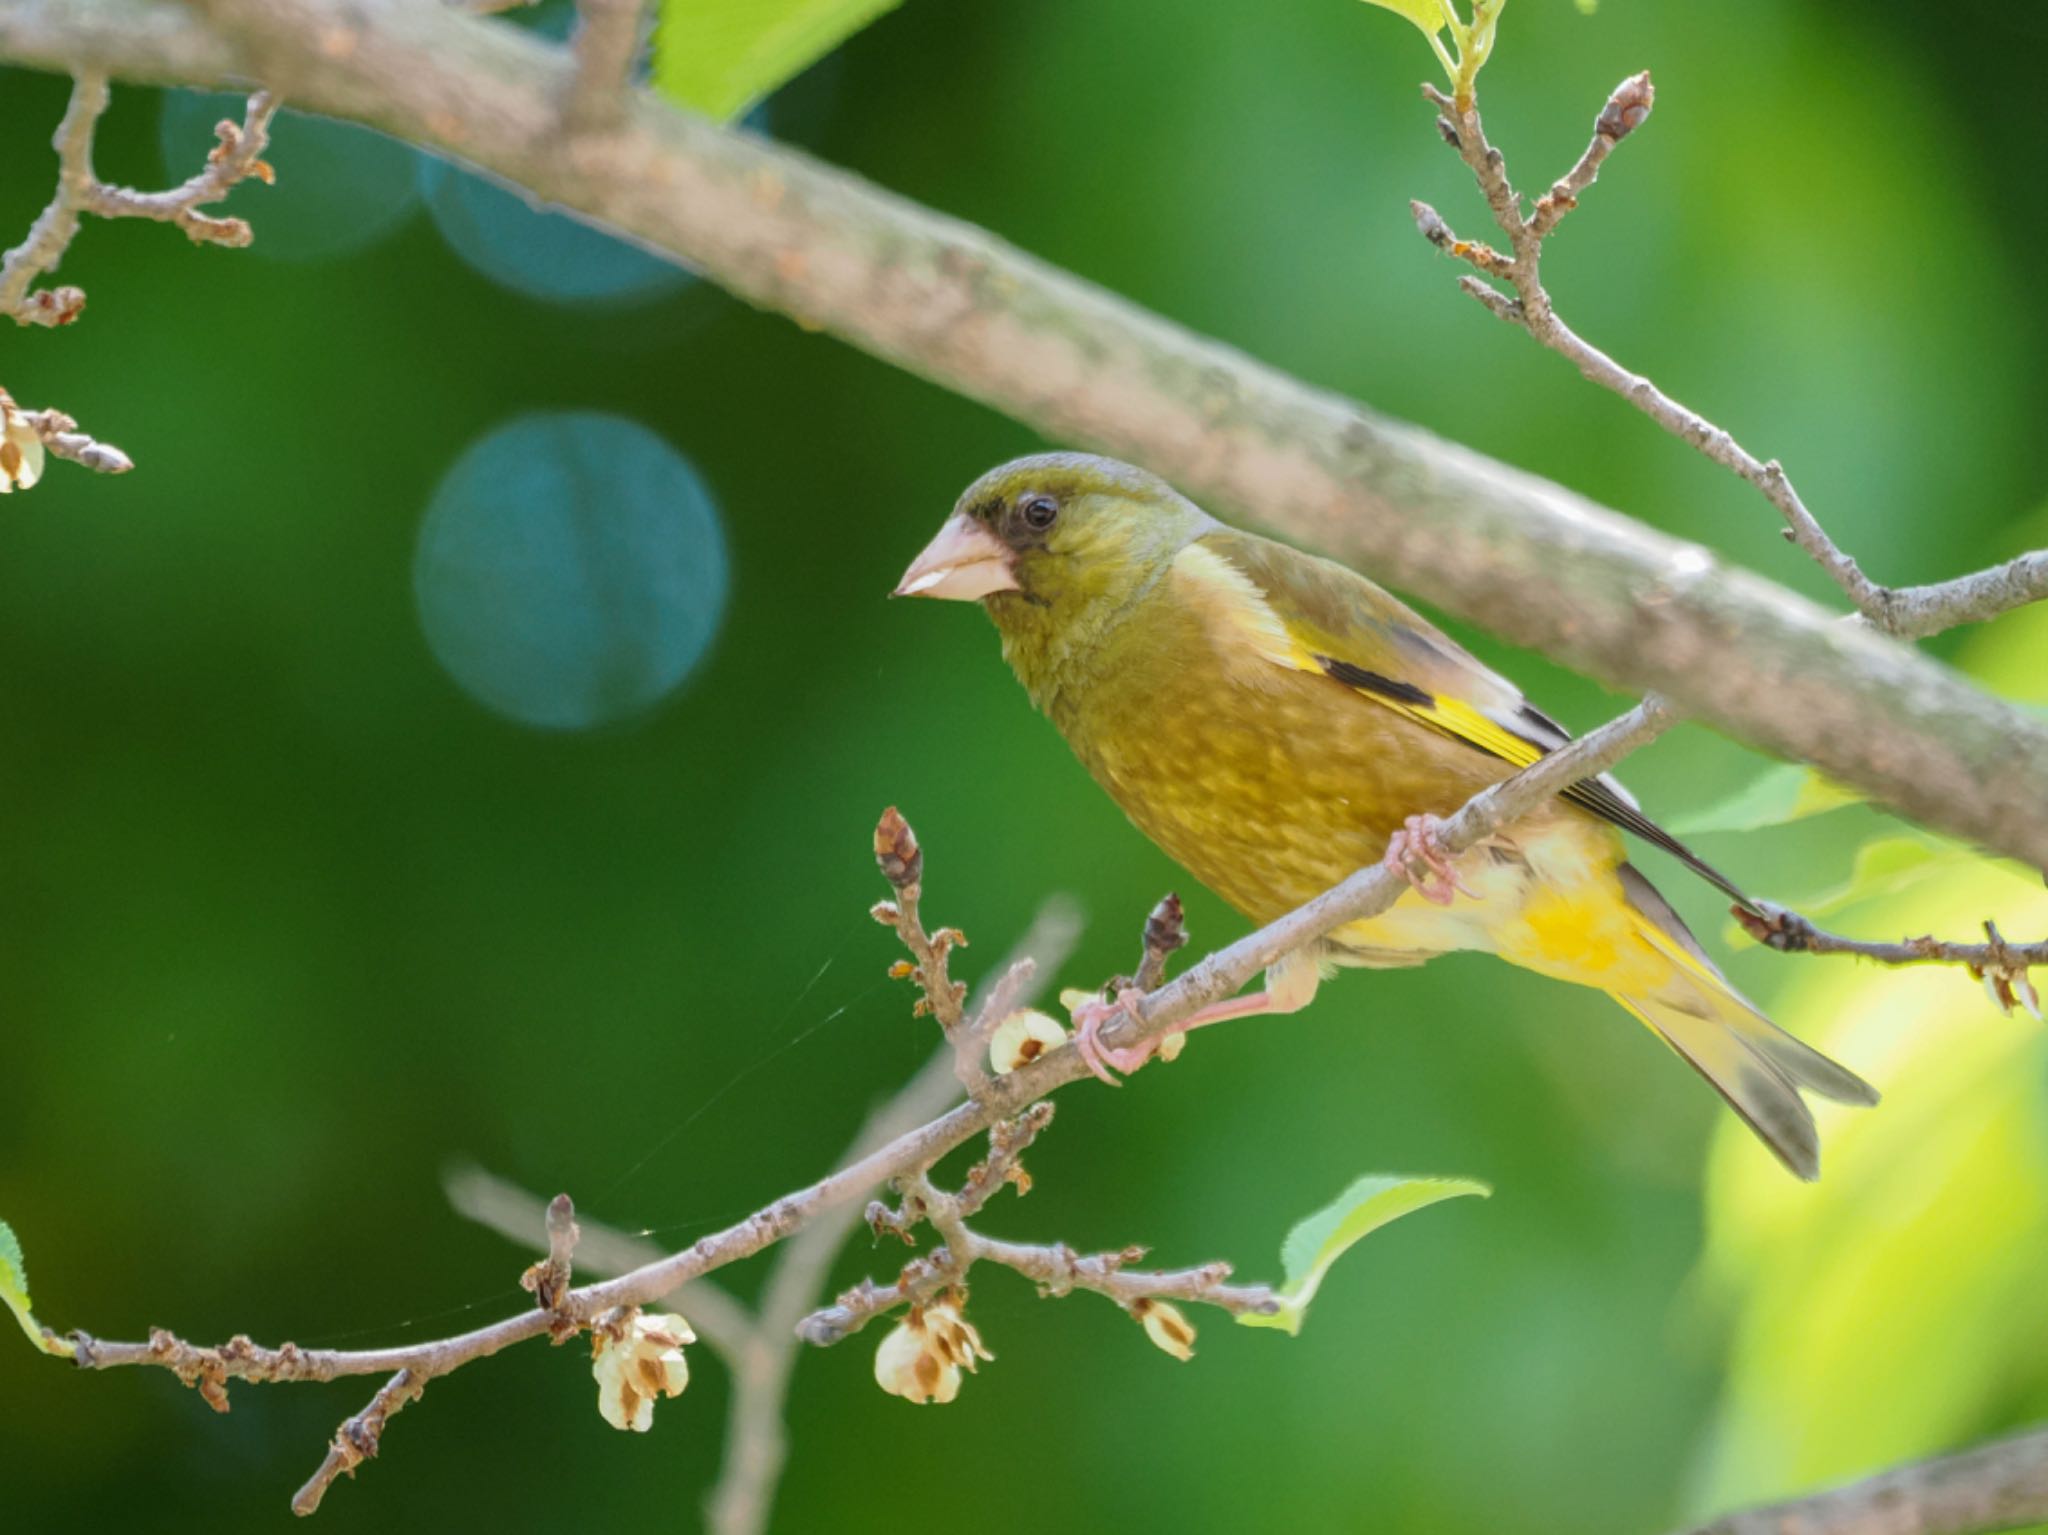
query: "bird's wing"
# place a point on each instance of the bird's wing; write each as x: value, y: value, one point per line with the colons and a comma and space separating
x: 1283, y: 607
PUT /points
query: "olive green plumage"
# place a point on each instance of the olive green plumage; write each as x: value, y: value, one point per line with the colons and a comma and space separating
x: 1271, y: 720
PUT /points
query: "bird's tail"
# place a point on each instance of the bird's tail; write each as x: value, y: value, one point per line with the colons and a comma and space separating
x: 1754, y: 1064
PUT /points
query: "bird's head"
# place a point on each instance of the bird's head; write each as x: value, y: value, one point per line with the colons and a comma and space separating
x: 1055, y: 542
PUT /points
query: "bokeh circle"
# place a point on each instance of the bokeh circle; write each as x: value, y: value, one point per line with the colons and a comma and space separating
x: 571, y: 570
x: 543, y: 255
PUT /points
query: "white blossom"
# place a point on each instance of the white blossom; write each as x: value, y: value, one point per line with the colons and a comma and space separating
x: 21, y: 448
x: 1022, y: 1037
x: 1165, y: 1326
x: 922, y: 1357
x: 637, y: 1362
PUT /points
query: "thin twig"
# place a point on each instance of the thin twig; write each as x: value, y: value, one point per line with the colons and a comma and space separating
x: 1531, y: 308
x: 902, y: 864
x: 607, y: 41
x: 235, y: 159
x: 721, y: 1323
x: 548, y: 1280
x: 1918, y: 611
x: 1997, y: 1486
x: 358, y: 1439
x: 52, y: 232
x: 1055, y: 1267
x: 60, y: 434
x: 1058, y: 1270
x: 2000, y: 965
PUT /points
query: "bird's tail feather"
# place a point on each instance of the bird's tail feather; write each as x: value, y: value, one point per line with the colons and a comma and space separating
x: 1751, y: 1062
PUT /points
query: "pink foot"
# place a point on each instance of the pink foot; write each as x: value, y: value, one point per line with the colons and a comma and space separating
x: 1417, y: 856
x: 1090, y: 1019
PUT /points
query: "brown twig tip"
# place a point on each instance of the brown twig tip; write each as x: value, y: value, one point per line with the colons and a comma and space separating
x: 60, y: 434
x: 51, y: 306
x: 1165, y: 933
x: 358, y: 1439
x: 1627, y: 109
x: 548, y: 1280
x: 896, y: 850
x: 1432, y: 224
x: 1775, y: 927
x: 2001, y: 965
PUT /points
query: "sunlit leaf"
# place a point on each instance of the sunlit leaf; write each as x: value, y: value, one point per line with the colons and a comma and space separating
x: 1327, y: 1235
x: 14, y: 1291
x: 1786, y: 792
x: 1886, y: 867
x: 721, y: 56
x: 1426, y: 14
x: 1898, y: 1314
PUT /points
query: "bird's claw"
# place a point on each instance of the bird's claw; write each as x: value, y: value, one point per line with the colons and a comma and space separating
x: 1091, y: 1018
x: 1417, y: 856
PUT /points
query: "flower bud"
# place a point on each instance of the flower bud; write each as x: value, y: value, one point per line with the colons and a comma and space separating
x: 636, y: 1362
x: 1021, y: 1038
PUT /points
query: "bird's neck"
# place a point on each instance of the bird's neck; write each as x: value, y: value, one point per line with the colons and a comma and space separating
x: 1054, y: 642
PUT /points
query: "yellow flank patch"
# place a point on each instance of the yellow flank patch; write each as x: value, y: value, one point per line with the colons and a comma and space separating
x: 1582, y: 936
x: 1568, y: 933
x: 1240, y: 622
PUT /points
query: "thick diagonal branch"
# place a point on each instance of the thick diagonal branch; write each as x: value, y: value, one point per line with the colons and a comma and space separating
x: 1526, y: 558
x: 1998, y: 1486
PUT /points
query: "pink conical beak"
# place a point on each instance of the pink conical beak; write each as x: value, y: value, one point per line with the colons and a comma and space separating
x: 964, y: 563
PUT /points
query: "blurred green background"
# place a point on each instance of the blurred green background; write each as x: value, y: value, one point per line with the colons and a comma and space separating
x: 294, y: 910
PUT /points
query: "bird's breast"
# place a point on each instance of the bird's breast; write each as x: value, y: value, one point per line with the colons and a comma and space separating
x: 1268, y: 793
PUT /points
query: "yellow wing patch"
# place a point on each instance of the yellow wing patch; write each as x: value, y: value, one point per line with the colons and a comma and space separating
x: 1468, y: 724
x: 1448, y: 716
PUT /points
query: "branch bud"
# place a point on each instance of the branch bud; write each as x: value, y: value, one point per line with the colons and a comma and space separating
x: 1432, y: 225
x: 1627, y: 109
x: 1165, y: 932
x: 896, y: 850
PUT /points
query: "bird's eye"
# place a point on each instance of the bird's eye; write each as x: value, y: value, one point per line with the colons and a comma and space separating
x: 1038, y: 512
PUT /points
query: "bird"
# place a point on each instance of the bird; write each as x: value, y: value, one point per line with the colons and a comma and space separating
x: 1274, y: 721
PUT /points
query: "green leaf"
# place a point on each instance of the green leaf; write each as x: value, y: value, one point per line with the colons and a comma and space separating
x: 1787, y: 792
x: 1426, y: 14
x: 14, y: 1291
x: 1327, y: 1235
x: 719, y: 57
x: 1886, y: 866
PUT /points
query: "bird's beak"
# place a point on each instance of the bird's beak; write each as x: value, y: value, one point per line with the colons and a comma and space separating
x: 964, y: 563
